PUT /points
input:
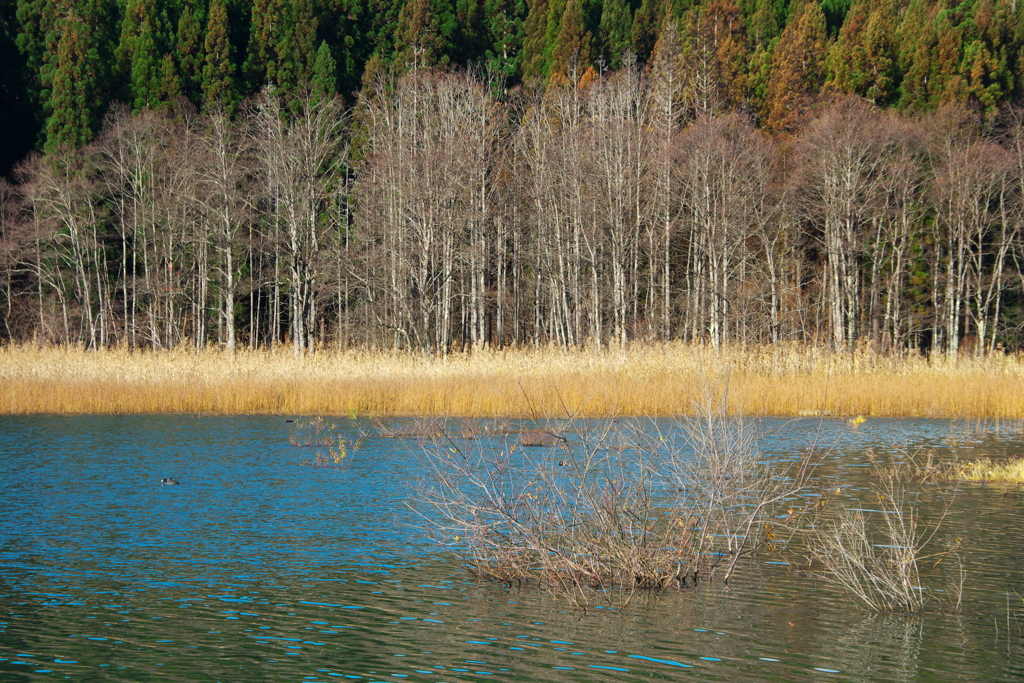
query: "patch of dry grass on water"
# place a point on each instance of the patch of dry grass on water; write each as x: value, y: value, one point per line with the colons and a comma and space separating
x: 649, y: 379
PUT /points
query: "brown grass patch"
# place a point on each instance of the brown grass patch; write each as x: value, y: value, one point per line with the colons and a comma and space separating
x: 651, y: 379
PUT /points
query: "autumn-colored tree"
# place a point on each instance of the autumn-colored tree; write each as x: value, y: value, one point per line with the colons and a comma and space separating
x: 721, y: 23
x: 863, y: 59
x: 574, y: 41
x: 798, y: 69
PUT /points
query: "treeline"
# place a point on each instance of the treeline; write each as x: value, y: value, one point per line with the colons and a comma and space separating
x: 440, y: 214
x: 65, y: 62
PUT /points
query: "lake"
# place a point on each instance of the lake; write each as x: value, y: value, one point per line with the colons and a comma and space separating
x: 259, y: 568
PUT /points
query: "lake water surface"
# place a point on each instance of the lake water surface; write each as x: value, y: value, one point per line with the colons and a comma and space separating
x: 257, y: 568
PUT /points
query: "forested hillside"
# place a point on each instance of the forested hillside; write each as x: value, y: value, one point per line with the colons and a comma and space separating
x: 435, y: 175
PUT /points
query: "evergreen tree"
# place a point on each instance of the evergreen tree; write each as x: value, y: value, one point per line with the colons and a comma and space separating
x: 296, y: 49
x: 70, y: 112
x: 139, y: 53
x: 988, y: 54
x: 556, y: 8
x: 533, y: 62
x: 503, y: 20
x: 282, y: 50
x: 170, y: 85
x: 218, y: 85
x: 37, y: 41
x: 798, y: 69
x: 616, y: 31
x: 17, y: 116
x: 765, y: 20
x: 947, y: 83
x: 466, y: 31
x: 325, y: 73
x: 268, y: 21
x: 145, y: 68
x: 758, y: 74
x: 645, y: 27
x: 915, y: 54
x: 419, y: 38
x: 188, y: 49
x: 835, y: 13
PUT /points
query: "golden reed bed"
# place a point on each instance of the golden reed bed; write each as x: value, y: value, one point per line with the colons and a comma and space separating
x: 664, y: 379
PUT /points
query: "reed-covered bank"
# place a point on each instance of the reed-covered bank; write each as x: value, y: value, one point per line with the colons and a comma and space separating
x: 635, y: 380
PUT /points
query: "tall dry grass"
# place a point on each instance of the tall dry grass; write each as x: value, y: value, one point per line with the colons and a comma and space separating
x: 652, y: 379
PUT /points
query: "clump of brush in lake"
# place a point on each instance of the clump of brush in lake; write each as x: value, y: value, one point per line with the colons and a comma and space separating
x: 874, y: 550
x: 614, y: 504
x: 603, y: 509
x: 319, y: 432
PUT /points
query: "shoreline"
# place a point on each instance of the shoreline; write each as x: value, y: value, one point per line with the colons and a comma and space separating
x: 640, y: 379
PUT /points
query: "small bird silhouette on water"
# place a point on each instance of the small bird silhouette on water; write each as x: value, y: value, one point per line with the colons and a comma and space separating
x: 170, y: 481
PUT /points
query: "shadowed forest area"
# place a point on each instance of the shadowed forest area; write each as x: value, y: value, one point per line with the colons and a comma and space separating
x: 491, y: 174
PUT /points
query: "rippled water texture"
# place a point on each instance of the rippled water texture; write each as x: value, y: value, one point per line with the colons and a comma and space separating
x: 256, y: 568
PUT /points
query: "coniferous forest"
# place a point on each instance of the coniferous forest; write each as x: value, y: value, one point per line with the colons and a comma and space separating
x: 434, y: 175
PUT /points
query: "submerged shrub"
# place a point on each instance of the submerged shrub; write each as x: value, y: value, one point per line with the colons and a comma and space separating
x: 875, y: 555
x: 609, y: 504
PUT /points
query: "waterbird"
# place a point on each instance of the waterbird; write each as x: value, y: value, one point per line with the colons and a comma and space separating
x: 170, y: 481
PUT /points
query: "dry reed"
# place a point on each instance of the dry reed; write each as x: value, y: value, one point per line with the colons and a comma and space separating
x: 980, y: 470
x: 651, y: 379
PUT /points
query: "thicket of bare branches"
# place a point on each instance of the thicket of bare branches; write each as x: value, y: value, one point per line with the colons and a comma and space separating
x: 609, y: 208
x: 608, y: 504
x: 876, y: 555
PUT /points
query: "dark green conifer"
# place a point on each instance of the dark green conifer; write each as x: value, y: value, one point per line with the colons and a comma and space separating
x: 325, y: 73
x: 646, y: 23
x: 218, y: 85
x: 420, y: 38
x: 616, y: 31
x: 188, y: 49
x: 504, y: 24
x: 70, y: 117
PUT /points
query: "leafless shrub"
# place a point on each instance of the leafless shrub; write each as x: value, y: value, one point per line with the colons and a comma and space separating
x: 336, y: 455
x: 315, y: 431
x: 875, y: 555
x: 674, y: 506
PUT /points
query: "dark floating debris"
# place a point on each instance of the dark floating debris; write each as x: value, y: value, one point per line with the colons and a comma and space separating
x: 540, y: 439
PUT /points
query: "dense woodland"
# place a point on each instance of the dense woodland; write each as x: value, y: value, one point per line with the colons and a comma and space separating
x: 434, y: 176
